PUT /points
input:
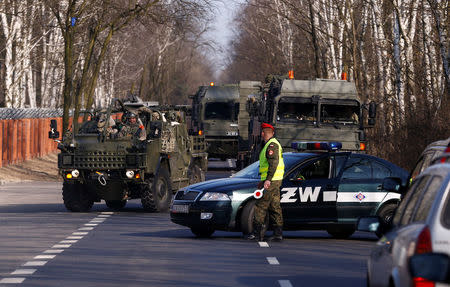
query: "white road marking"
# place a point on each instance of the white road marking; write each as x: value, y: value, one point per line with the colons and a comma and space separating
x: 61, y: 246
x: 50, y: 251
x: 263, y: 244
x: 44, y: 257
x: 80, y: 233
x: 23, y: 272
x: 74, y: 237
x: 86, y: 228
x: 68, y: 241
x: 12, y: 280
x: 35, y: 263
x: 97, y: 220
x: 273, y: 261
x: 285, y: 283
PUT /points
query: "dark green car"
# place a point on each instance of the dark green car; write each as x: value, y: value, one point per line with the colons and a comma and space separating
x: 320, y: 190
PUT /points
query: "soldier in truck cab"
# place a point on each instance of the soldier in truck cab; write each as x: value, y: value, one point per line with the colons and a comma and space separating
x: 133, y: 128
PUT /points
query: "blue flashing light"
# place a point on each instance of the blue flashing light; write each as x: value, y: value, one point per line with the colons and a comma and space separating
x: 329, y: 146
x: 335, y: 145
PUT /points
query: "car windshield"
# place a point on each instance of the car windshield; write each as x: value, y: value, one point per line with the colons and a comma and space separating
x: 290, y: 160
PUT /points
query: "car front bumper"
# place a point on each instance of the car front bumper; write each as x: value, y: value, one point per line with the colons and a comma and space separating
x: 214, y: 214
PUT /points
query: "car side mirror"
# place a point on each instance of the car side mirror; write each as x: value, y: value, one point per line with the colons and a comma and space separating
x: 430, y: 266
x: 368, y: 223
x: 392, y: 184
x: 53, y: 133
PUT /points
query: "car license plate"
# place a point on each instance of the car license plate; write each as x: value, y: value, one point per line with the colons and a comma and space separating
x: 180, y: 208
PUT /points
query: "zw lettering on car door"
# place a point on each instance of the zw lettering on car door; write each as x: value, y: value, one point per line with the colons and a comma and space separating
x: 309, y: 192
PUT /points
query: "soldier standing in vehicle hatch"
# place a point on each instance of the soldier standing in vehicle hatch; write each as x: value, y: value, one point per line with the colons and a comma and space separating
x: 271, y: 168
x: 133, y: 128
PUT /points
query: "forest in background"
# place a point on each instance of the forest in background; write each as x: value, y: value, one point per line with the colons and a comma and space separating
x: 396, y: 52
x: 95, y: 50
x: 79, y: 54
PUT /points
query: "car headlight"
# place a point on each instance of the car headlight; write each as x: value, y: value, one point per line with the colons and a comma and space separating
x: 215, y: 196
x: 75, y: 173
x: 129, y: 173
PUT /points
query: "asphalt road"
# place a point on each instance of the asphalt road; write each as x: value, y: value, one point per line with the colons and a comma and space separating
x: 42, y: 244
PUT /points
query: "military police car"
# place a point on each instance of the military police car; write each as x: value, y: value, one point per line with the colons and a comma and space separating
x: 320, y: 190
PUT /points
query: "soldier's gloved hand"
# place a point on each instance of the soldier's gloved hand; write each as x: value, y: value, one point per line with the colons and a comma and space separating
x: 260, y: 184
x: 266, y: 184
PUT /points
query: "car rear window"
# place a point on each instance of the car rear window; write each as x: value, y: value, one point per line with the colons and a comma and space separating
x: 423, y: 163
x: 406, y: 208
x: 428, y: 198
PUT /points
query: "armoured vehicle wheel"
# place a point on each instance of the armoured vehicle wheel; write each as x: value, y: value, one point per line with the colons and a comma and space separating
x: 116, y: 204
x: 196, y: 174
x: 76, y: 198
x: 340, y: 232
x: 202, y: 232
x: 157, y: 195
x: 385, y: 213
x: 247, y: 218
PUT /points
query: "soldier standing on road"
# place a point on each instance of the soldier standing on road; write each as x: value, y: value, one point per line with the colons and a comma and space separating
x: 271, y: 168
x: 133, y: 128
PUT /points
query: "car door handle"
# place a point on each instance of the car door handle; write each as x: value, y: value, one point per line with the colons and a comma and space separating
x: 379, y: 187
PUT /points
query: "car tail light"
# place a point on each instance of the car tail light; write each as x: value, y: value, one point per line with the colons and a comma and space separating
x: 444, y: 158
x: 422, y: 282
x: 423, y: 244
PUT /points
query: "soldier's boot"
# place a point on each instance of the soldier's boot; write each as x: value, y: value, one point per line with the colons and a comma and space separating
x: 257, y: 233
x: 277, y: 234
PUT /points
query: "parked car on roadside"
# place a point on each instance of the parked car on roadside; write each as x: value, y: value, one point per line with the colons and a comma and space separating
x: 320, y: 190
x: 429, y: 156
x: 420, y: 225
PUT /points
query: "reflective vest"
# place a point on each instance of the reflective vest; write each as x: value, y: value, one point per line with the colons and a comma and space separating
x: 264, y: 164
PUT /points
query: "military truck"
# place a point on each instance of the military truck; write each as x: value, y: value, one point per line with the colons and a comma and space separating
x: 316, y: 110
x: 96, y: 163
x: 215, y: 112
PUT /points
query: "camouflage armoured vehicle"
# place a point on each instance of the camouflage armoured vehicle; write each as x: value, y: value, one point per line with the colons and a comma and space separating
x: 215, y: 111
x: 317, y: 110
x: 98, y: 162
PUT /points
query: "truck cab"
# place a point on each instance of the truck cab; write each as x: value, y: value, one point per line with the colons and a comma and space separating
x: 318, y: 110
x: 215, y: 114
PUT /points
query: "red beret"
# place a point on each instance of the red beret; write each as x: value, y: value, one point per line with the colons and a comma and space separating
x: 265, y: 126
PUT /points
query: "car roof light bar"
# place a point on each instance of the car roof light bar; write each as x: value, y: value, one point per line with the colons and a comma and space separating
x: 328, y: 146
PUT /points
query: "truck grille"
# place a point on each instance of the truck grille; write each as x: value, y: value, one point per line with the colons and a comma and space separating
x: 189, y: 195
x: 97, y: 161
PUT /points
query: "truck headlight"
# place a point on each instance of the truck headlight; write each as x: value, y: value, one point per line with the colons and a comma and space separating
x: 129, y: 173
x: 215, y: 196
x: 75, y: 173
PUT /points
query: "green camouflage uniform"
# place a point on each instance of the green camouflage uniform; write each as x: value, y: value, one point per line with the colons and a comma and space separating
x: 271, y: 199
x: 133, y: 130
